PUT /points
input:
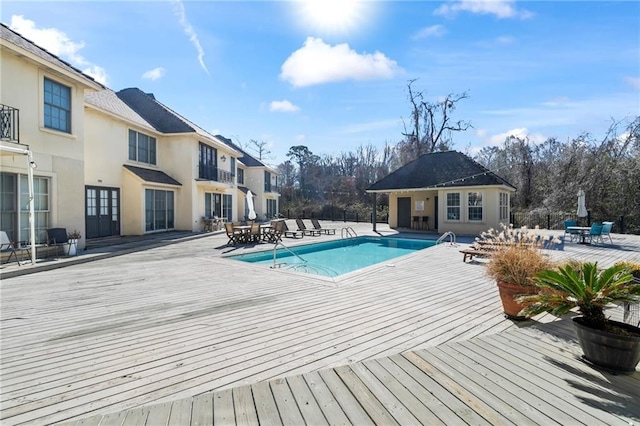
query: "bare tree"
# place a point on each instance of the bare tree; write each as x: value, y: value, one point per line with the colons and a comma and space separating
x: 260, y: 148
x: 431, y: 124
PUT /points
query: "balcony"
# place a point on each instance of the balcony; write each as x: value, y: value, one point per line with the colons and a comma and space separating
x: 9, y: 124
x: 272, y: 188
x: 214, y: 174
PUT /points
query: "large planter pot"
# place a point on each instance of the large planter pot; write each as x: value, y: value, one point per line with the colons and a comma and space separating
x: 508, y: 293
x: 611, y: 351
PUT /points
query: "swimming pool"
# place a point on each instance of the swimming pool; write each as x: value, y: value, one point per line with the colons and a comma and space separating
x: 333, y: 258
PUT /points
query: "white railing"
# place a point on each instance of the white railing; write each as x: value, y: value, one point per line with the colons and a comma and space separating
x: 451, y: 235
x: 348, y: 232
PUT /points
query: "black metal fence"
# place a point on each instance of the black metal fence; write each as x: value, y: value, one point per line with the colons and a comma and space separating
x: 623, y: 225
x: 336, y: 214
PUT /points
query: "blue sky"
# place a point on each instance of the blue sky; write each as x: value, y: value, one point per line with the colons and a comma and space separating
x: 332, y: 75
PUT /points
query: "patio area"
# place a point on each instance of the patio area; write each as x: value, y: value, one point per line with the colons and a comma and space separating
x: 177, y: 334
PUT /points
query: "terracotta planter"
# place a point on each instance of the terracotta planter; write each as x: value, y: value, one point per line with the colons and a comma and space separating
x: 508, y: 292
x: 611, y: 351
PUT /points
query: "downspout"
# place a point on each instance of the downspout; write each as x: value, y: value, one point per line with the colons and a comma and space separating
x: 32, y: 224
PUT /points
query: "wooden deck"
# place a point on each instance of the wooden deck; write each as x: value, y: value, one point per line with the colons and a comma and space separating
x: 181, y: 335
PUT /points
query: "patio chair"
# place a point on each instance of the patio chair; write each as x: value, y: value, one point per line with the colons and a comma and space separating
x: 595, y: 232
x: 57, y: 237
x: 606, y: 230
x: 8, y: 246
x: 289, y: 233
x: 233, y: 235
x: 326, y: 231
x: 305, y: 230
x: 274, y: 234
x: 570, y: 232
x: 254, y: 233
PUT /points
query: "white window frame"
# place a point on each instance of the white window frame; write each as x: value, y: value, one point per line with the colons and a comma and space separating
x: 503, y: 206
x: 476, y: 197
x: 450, y: 208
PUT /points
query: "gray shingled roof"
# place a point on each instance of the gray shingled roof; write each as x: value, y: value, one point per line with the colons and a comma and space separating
x: 13, y: 37
x: 439, y: 170
x: 155, y: 176
x: 246, y: 159
x: 107, y: 100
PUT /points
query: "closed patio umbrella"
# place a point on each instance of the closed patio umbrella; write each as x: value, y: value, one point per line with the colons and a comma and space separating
x: 252, y: 212
x: 582, y: 208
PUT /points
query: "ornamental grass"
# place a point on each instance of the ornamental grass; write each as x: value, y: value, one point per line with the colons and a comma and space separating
x: 517, y: 254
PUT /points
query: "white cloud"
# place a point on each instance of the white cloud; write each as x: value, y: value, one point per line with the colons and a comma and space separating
x: 283, y: 106
x: 154, y: 74
x: 188, y: 29
x: 500, y: 8
x: 633, y: 81
x: 428, y: 32
x: 59, y: 44
x: 317, y: 62
x: 521, y: 132
x: 300, y: 138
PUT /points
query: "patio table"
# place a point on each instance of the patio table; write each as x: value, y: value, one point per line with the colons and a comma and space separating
x: 583, y: 231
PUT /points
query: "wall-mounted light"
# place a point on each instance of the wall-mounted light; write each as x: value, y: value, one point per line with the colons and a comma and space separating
x: 33, y: 165
x: 223, y: 158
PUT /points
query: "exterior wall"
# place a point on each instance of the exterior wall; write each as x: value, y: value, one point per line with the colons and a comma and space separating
x: 58, y: 155
x: 490, y: 219
x: 464, y: 226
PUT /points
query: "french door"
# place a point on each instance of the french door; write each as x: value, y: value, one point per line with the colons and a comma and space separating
x: 102, y: 211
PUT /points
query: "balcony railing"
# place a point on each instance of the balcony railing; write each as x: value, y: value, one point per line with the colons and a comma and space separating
x: 272, y: 188
x: 9, y: 123
x: 215, y: 174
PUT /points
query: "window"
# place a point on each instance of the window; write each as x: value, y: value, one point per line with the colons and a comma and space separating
x: 227, y: 207
x: 233, y: 168
x: 208, y: 162
x: 453, y: 206
x: 240, y: 176
x: 142, y: 148
x: 159, y: 210
x: 272, y: 209
x: 57, y: 106
x: 267, y: 182
x: 474, y: 202
x: 504, y: 206
x: 212, y: 204
x: 14, y: 209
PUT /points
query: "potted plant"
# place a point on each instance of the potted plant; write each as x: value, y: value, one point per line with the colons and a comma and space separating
x: 516, y: 258
x: 606, y: 343
x: 73, y: 237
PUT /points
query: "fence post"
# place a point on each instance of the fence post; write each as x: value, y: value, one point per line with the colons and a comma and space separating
x: 357, y: 218
x: 302, y: 214
x: 622, y: 225
x: 588, y: 217
x: 344, y: 215
x: 548, y: 221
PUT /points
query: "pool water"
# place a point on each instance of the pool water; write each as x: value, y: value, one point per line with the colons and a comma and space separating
x: 333, y: 258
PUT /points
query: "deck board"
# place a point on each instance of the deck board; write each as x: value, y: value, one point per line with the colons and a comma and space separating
x: 185, y: 338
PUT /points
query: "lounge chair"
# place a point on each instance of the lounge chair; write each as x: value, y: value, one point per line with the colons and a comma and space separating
x: 289, y: 233
x: 595, y: 232
x: 570, y: 232
x: 606, y: 230
x: 307, y: 231
x: 326, y: 231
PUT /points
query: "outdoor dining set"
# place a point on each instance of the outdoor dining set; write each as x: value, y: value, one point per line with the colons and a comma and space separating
x: 588, y: 234
x: 254, y: 232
